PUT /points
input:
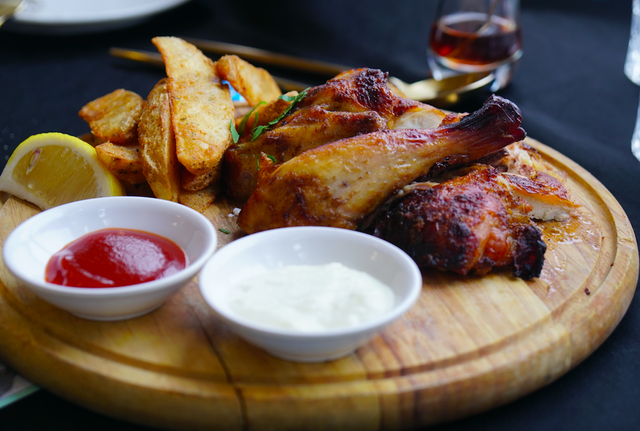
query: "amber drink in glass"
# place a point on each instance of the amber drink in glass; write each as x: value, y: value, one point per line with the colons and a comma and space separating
x: 474, y: 36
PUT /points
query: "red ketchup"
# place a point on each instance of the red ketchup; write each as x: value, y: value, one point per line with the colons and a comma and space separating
x: 115, y: 257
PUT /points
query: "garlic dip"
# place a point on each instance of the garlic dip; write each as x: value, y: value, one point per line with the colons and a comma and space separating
x: 311, y: 298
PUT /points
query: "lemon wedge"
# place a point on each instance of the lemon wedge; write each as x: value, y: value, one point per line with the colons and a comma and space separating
x: 51, y: 169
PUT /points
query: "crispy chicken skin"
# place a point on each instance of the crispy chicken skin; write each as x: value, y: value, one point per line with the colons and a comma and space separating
x: 353, y: 103
x: 287, y: 141
x: 532, y: 178
x: 547, y: 195
x: 468, y: 224
x: 522, y: 159
x: 338, y: 184
x: 528, y: 176
x: 360, y: 90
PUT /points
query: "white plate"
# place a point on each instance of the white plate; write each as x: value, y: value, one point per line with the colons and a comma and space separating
x: 85, y: 16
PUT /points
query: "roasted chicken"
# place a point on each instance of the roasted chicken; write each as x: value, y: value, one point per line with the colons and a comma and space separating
x: 548, y: 197
x: 526, y: 174
x: 530, y: 177
x: 340, y: 183
x: 353, y: 103
x: 468, y: 224
x: 522, y: 159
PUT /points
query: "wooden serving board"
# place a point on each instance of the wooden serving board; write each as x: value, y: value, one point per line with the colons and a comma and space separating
x: 469, y: 344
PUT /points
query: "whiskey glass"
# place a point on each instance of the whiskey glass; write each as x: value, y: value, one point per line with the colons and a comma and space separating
x: 470, y: 36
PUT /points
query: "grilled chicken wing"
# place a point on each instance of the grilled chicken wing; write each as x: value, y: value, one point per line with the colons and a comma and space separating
x: 353, y: 103
x: 340, y: 183
x: 468, y: 224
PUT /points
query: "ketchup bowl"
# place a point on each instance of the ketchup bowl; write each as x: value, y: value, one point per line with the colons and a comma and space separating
x: 296, y: 256
x: 29, y: 247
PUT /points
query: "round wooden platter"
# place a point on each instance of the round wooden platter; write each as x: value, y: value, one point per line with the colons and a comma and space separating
x: 469, y: 344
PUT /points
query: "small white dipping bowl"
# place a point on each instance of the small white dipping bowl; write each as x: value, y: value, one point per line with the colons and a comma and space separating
x: 29, y: 247
x: 269, y: 250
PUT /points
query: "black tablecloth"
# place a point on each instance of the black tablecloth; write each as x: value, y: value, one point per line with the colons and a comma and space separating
x: 570, y: 87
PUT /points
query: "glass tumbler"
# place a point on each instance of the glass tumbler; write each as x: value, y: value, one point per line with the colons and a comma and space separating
x: 475, y: 36
x: 632, y: 69
x: 632, y: 62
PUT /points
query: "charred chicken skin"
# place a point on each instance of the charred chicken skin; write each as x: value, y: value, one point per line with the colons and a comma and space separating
x: 469, y: 224
x: 533, y: 179
x: 338, y: 184
x: 353, y: 103
x: 528, y: 176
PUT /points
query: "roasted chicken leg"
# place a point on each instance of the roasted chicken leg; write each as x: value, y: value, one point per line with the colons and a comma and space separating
x: 338, y: 184
x: 353, y: 103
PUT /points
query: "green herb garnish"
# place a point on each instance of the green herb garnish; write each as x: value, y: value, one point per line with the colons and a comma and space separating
x: 273, y: 159
x: 258, y: 130
x: 223, y: 230
x: 234, y: 133
x: 246, y: 117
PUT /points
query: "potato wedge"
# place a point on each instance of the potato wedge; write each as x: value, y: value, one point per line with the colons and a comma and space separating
x: 114, y: 116
x: 194, y: 183
x: 200, y: 200
x: 253, y: 83
x: 201, y: 105
x: 157, y: 144
x: 122, y: 161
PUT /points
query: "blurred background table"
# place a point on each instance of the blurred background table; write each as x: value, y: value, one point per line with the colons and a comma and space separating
x: 569, y: 85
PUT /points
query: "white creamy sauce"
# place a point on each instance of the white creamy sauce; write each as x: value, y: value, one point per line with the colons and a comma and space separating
x: 311, y: 298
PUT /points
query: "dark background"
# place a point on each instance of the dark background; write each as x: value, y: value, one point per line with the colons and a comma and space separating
x: 570, y: 87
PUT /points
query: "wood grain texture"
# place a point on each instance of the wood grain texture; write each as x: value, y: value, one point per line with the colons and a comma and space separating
x: 468, y: 345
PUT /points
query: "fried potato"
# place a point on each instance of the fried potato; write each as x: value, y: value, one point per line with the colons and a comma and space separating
x: 122, y: 161
x: 253, y: 83
x: 114, y: 116
x: 157, y: 145
x: 201, y: 105
x: 200, y: 200
x: 194, y: 183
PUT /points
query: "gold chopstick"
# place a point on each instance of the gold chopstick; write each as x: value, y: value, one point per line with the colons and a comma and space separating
x: 152, y: 58
x: 155, y: 59
x: 267, y: 57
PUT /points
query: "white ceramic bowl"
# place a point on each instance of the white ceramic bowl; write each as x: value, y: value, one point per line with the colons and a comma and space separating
x: 30, y: 246
x: 261, y: 252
